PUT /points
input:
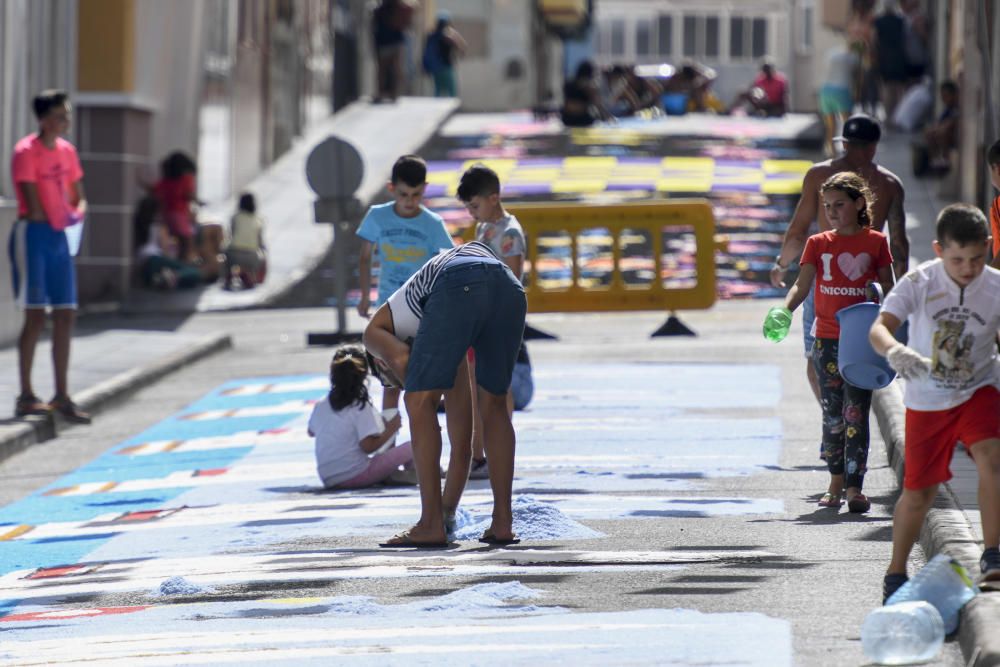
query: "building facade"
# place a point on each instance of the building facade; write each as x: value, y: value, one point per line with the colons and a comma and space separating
x: 230, y: 82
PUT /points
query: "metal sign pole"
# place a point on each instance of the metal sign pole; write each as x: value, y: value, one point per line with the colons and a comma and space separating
x: 334, y: 170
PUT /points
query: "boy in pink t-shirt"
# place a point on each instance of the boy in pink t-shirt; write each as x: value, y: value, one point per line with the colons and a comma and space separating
x: 48, y: 184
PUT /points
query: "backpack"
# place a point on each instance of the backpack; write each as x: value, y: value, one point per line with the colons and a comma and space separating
x: 433, y: 61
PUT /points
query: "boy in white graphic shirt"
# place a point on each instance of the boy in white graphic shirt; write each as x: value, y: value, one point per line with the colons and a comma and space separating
x: 951, y: 372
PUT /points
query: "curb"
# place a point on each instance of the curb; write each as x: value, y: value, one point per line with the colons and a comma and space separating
x: 109, y: 393
x: 946, y: 530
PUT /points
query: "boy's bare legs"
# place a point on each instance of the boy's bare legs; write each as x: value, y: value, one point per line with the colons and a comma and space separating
x: 500, y: 454
x: 459, y: 418
x: 421, y: 407
x: 62, y: 333
x: 31, y: 331
x: 986, y: 454
x: 907, y: 519
x: 478, y: 441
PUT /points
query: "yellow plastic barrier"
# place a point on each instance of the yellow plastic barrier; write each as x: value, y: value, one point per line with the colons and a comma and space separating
x: 581, y: 253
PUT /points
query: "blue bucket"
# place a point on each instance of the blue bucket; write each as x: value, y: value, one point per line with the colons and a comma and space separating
x: 859, y: 364
x: 675, y: 104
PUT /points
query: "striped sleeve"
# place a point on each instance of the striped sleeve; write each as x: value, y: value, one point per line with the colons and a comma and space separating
x: 419, y: 287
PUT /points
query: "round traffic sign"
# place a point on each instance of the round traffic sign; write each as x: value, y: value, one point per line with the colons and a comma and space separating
x: 334, y: 168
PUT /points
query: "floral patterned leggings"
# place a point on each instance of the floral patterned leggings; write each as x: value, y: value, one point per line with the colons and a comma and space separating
x: 845, y: 417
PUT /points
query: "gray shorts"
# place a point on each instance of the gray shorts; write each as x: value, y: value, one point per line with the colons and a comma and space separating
x: 476, y: 304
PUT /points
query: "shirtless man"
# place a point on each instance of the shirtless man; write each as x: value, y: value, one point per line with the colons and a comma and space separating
x: 861, y: 136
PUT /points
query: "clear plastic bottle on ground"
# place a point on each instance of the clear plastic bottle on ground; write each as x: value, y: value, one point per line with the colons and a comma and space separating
x: 902, y: 634
x: 777, y: 323
x: 945, y: 584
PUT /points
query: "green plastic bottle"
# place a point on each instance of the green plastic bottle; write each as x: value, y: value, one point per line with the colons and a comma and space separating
x: 777, y: 323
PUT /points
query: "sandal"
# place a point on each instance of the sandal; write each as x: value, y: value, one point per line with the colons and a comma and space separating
x: 830, y: 500
x: 69, y: 410
x: 28, y: 405
x: 405, y: 541
x: 859, y: 504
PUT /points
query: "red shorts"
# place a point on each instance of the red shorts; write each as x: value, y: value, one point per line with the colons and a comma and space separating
x: 931, y: 436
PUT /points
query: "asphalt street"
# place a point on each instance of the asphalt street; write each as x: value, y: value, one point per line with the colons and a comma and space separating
x: 692, y: 459
x: 666, y: 495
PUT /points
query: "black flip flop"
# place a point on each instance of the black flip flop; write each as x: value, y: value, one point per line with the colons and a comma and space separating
x: 490, y: 538
x: 404, y: 541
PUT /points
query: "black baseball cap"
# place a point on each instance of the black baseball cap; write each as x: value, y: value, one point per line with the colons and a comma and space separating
x: 861, y: 128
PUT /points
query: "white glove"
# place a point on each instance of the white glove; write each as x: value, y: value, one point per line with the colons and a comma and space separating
x: 910, y: 364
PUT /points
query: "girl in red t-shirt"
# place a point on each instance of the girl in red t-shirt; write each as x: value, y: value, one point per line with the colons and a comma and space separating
x: 842, y: 262
x: 176, y: 192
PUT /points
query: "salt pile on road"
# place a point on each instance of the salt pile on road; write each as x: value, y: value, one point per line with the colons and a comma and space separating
x: 178, y: 586
x: 533, y: 520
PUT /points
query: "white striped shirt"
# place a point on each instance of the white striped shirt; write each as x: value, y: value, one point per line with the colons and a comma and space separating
x: 407, y: 303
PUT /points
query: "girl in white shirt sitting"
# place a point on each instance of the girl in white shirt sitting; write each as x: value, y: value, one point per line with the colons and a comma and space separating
x: 348, y: 428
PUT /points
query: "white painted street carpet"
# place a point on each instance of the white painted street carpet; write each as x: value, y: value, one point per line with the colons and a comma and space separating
x: 223, y: 495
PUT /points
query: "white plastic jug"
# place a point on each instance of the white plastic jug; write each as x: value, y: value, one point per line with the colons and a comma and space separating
x: 908, y: 633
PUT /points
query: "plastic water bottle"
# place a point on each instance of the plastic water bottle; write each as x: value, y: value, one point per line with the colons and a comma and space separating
x: 777, y: 323
x: 945, y: 584
x: 902, y: 634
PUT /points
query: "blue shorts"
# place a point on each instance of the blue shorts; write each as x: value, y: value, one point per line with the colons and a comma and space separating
x: 835, y: 99
x: 42, y: 270
x: 808, y: 318
x: 477, y: 304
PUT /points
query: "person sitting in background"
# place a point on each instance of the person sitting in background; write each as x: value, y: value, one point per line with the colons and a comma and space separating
x: 176, y: 192
x: 695, y: 80
x: 246, y: 261
x: 646, y: 90
x: 617, y: 95
x: 582, y: 104
x: 942, y: 135
x: 767, y: 95
x: 156, y: 251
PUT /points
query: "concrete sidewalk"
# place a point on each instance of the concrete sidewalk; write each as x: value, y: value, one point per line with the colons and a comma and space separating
x: 107, y: 365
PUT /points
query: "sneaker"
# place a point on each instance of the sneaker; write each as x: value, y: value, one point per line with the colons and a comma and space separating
x: 479, y: 469
x: 68, y: 410
x: 450, y: 523
x: 989, y: 565
x: 892, y: 583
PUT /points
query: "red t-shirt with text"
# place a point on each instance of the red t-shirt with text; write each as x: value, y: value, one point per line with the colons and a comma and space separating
x: 844, y: 265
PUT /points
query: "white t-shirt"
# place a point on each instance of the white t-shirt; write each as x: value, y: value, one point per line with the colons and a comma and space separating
x: 841, y: 66
x: 956, y: 328
x: 505, y: 237
x: 339, y: 456
x: 246, y: 229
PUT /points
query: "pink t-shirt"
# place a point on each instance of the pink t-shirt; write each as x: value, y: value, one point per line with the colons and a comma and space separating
x: 774, y: 88
x: 53, y: 171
